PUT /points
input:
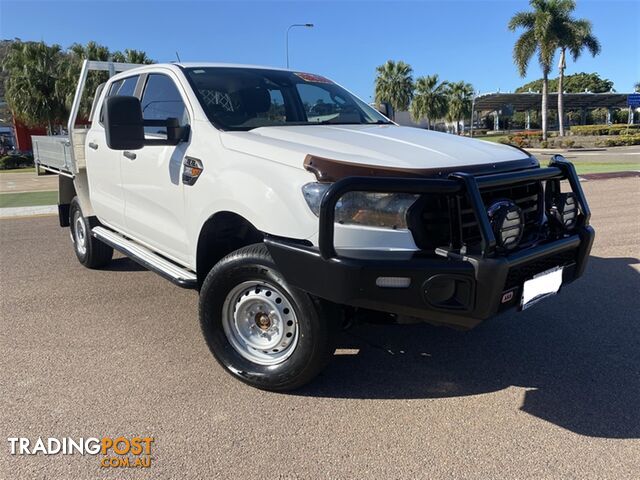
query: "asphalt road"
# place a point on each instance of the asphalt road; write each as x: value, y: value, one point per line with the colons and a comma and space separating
x: 553, y: 392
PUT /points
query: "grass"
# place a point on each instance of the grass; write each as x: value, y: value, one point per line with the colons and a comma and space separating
x: 589, y: 167
x: 19, y: 170
x: 491, y: 138
x: 28, y: 199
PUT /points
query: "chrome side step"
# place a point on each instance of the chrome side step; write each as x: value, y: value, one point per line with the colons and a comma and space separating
x: 145, y: 257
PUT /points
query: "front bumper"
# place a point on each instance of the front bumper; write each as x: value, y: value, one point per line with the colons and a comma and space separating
x: 459, y: 290
x: 480, y: 284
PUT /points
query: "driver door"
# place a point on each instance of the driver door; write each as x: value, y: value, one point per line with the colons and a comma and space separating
x: 151, y: 176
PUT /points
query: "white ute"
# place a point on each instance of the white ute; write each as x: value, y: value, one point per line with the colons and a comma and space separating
x: 291, y: 205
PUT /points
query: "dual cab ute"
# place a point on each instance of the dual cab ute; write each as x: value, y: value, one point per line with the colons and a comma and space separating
x: 290, y: 204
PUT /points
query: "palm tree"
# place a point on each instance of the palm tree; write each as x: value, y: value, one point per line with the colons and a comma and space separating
x: 132, y: 56
x: 575, y: 36
x: 35, y: 71
x: 460, y: 96
x: 76, y: 54
x: 394, y: 84
x: 542, y: 28
x: 95, y: 51
x: 429, y: 99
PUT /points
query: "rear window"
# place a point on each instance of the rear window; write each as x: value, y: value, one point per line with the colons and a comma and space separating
x: 122, y: 87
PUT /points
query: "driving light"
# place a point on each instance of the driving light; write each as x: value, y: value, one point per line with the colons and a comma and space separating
x: 507, y: 223
x: 564, y: 210
x: 374, y: 209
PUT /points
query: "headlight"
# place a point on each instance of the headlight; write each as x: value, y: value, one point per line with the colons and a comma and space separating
x: 386, y: 210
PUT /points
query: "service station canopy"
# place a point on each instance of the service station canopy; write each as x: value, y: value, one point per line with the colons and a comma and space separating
x: 533, y: 101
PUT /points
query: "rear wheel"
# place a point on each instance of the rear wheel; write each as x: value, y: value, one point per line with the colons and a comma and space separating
x: 91, y: 252
x: 263, y: 331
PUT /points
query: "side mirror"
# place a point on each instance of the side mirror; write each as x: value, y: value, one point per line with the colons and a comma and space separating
x: 123, y: 123
x: 171, y: 127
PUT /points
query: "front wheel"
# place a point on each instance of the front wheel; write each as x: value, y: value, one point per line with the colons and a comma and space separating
x: 263, y: 331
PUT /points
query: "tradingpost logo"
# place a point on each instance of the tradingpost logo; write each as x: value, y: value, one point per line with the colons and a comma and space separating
x: 118, y: 452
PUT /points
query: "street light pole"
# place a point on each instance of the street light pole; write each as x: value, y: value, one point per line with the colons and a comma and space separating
x: 306, y: 25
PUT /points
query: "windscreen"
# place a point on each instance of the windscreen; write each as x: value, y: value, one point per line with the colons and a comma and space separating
x: 247, y: 98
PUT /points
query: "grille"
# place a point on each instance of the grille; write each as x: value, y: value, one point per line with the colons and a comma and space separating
x: 432, y: 227
x: 527, y: 196
x: 517, y: 275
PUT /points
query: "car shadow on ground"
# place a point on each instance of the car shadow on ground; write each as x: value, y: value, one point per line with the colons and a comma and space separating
x: 578, y: 355
x: 124, y: 264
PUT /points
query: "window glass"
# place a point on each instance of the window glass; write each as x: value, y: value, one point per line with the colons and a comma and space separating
x: 321, y: 105
x: 246, y: 98
x: 123, y: 87
x: 161, y: 100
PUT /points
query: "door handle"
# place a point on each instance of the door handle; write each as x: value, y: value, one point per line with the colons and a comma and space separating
x: 129, y: 155
x: 93, y: 146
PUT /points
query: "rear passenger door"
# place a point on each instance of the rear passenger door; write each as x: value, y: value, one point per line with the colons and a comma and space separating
x: 103, y: 164
x: 151, y: 177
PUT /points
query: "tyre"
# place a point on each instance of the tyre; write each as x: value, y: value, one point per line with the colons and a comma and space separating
x: 261, y: 330
x: 91, y: 252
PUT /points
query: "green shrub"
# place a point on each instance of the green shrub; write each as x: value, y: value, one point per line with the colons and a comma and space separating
x: 9, y: 162
x: 603, y: 129
x: 622, y: 141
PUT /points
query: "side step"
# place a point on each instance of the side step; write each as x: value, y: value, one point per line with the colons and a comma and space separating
x: 148, y: 259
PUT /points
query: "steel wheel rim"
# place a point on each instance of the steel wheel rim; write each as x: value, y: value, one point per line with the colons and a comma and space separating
x: 80, y: 231
x: 260, y: 323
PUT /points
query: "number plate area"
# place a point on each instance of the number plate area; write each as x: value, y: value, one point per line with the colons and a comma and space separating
x: 541, y: 286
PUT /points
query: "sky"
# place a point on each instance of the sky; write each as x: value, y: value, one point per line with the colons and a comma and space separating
x: 458, y: 40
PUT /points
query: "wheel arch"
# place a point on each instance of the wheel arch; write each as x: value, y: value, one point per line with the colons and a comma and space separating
x: 221, y: 234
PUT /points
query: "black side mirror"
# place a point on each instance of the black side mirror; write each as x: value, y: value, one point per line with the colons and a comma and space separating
x: 176, y: 133
x: 123, y: 123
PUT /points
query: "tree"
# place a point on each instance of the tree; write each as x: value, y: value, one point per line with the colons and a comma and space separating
x: 576, y: 83
x: 95, y: 51
x: 575, y: 36
x: 132, y: 56
x: 41, y: 80
x: 34, y: 87
x: 542, y: 28
x: 459, y: 98
x: 636, y: 87
x: 76, y: 55
x: 394, y: 84
x: 429, y: 99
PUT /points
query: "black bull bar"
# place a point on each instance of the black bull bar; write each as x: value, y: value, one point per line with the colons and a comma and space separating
x: 457, y: 183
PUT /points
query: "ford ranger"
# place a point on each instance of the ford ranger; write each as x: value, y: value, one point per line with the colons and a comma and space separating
x: 290, y: 204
